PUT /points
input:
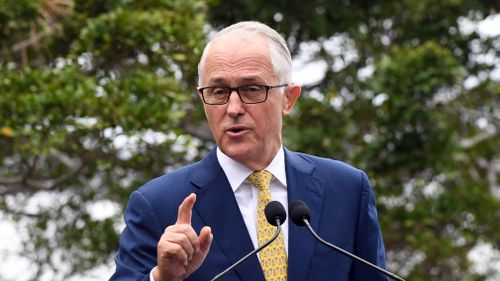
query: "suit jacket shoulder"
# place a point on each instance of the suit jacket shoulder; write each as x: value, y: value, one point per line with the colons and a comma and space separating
x: 343, y: 213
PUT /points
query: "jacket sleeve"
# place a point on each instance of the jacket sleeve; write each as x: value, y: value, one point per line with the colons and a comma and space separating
x: 368, y: 242
x: 138, y: 243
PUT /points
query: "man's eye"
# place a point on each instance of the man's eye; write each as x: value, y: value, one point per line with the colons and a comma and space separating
x: 219, y: 91
x: 252, y: 89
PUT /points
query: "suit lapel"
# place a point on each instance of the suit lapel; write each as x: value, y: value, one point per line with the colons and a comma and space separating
x: 302, y: 186
x: 218, y: 208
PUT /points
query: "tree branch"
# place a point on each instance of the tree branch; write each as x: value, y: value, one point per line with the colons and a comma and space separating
x: 472, y: 141
x: 200, y: 131
x: 492, y: 118
x: 493, y: 169
x: 14, y: 185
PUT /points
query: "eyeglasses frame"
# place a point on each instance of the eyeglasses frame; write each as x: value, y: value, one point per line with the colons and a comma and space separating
x: 236, y: 89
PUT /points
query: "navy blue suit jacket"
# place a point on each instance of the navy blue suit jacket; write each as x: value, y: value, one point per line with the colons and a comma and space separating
x: 341, y: 202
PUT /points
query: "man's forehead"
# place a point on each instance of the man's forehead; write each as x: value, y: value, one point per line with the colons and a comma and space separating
x: 241, y: 79
x: 229, y: 60
x: 239, y: 41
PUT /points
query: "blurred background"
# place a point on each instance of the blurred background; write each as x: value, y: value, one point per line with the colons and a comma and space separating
x: 97, y: 97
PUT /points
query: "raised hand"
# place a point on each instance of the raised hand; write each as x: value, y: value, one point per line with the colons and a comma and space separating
x: 180, y: 250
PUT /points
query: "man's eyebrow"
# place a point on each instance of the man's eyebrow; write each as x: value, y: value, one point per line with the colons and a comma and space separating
x: 251, y: 79
x: 217, y: 80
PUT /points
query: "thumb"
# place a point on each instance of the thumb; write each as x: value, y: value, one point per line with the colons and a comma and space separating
x: 206, y: 238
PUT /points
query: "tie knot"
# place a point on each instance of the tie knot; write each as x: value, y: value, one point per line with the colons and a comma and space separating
x: 261, y: 179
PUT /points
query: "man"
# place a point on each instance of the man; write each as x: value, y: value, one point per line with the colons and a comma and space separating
x: 193, y: 223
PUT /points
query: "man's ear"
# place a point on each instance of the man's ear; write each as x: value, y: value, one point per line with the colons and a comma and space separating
x: 290, y: 96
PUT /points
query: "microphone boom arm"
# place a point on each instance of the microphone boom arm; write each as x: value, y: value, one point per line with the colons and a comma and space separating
x: 344, y: 252
x: 278, y: 231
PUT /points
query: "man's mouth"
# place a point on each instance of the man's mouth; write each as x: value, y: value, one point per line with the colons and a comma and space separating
x: 236, y: 131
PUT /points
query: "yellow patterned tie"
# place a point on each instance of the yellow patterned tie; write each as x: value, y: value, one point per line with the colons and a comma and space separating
x: 273, y: 258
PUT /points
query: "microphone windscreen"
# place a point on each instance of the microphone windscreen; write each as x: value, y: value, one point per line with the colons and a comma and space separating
x: 273, y: 211
x: 299, y: 211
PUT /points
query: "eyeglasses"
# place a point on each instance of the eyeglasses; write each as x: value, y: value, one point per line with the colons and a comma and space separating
x: 249, y: 94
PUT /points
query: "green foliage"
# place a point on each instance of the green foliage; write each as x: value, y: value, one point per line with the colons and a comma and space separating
x: 97, y: 97
x: 90, y: 110
x: 411, y: 124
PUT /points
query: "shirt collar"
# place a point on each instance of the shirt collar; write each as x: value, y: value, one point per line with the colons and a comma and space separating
x: 237, y: 173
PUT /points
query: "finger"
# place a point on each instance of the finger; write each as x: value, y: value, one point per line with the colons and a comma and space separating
x: 182, y: 228
x: 205, y: 238
x: 182, y: 240
x: 186, y: 209
x: 183, y: 234
x: 171, y: 252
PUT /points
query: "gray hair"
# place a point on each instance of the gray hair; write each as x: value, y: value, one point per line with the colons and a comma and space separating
x: 278, y: 50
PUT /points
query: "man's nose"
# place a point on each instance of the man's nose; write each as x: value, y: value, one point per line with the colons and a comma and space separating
x: 235, y: 105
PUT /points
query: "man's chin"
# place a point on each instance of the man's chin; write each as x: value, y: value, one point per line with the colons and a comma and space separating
x: 238, y: 152
x: 250, y: 156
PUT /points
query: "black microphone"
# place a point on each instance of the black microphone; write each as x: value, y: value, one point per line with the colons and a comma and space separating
x: 275, y: 215
x: 301, y: 215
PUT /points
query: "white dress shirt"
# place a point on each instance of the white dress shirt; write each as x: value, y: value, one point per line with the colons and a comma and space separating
x: 246, y: 194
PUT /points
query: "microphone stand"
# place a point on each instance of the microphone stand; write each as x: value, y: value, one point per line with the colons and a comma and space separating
x: 278, y: 231
x: 338, y: 249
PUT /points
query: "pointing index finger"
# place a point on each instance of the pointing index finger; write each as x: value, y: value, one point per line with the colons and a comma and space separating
x: 186, y: 209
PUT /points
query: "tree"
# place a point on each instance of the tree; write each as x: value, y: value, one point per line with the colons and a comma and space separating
x: 95, y: 100
x: 86, y: 88
x: 393, y: 102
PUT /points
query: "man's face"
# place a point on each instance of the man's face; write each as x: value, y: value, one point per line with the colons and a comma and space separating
x: 248, y: 133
